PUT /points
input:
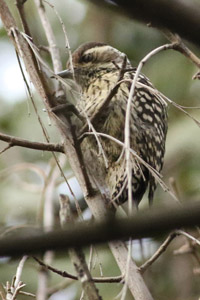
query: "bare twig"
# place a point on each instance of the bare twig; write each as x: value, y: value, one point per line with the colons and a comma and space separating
x: 178, y: 106
x: 189, y: 247
x: 101, y: 150
x: 174, y: 187
x: 18, y: 288
x: 53, y: 48
x: 15, y: 141
x: 127, y: 120
x: 182, y: 48
x: 158, y: 253
x: 189, y: 236
x: 27, y: 294
x: 165, y: 99
x: 67, y: 45
x: 28, y: 87
x: 6, y: 148
x: 19, y: 271
x: 65, y: 274
x: 140, y: 160
x: 11, y: 291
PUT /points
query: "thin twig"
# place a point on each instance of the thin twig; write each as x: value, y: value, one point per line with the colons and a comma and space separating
x: 174, y: 187
x: 53, y: 48
x: 6, y: 148
x: 154, y: 172
x: 101, y: 150
x: 28, y: 88
x: 165, y: 99
x: 27, y: 294
x: 35, y: 50
x: 180, y: 46
x: 127, y: 119
x: 19, y: 271
x: 14, y: 288
x: 158, y: 253
x: 189, y: 236
x: 67, y: 45
x: 178, y: 106
x: 65, y: 274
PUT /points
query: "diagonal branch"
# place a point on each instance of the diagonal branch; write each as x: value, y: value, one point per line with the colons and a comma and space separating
x: 157, y: 254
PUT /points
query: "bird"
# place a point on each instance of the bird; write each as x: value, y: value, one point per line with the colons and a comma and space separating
x: 96, y: 69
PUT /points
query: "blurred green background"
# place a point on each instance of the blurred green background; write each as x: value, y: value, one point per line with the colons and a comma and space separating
x: 25, y: 175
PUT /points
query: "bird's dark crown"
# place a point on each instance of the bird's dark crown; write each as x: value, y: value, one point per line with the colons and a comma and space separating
x: 81, y: 51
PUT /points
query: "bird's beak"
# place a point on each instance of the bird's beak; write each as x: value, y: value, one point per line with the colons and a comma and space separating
x: 66, y: 74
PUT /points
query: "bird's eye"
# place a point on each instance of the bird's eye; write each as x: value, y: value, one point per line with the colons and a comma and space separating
x: 86, y: 58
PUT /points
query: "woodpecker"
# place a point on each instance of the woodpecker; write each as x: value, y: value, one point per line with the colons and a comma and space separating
x: 96, y: 69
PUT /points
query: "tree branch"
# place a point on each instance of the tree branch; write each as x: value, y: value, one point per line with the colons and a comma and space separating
x: 15, y: 141
x: 145, y: 224
x: 53, y: 48
x: 182, y: 48
x: 182, y: 17
x: 77, y: 256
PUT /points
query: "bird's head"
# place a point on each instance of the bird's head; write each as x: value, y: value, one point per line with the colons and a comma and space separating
x: 92, y: 57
